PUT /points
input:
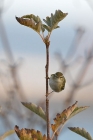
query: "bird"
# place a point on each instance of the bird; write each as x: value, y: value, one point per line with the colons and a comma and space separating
x: 57, y: 82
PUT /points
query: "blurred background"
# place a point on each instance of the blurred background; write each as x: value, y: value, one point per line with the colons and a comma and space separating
x: 22, y: 64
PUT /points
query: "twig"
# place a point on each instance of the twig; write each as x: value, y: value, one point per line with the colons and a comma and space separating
x: 47, y: 100
x: 80, y: 78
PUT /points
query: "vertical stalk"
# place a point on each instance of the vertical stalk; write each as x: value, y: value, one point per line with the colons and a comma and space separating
x: 47, y: 100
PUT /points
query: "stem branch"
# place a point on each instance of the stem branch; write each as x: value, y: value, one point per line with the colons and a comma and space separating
x: 47, y: 100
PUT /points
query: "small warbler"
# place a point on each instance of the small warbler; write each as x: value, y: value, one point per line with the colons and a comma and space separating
x: 57, y: 82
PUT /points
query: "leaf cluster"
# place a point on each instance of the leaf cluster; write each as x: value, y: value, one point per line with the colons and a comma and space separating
x: 36, y: 24
x: 60, y: 119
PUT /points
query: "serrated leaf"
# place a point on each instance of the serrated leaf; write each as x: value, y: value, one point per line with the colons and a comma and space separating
x: 63, y: 117
x: 6, y: 134
x: 52, y: 22
x: 81, y: 132
x: 33, y: 22
x: 47, y: 28
x: 77, y: 110
x: 35, y: 18
x: 36, y: 109
x: 29, y: 134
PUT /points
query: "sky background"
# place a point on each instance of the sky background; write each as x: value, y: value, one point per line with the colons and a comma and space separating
x: 23, y: 39
x: 27, y: 45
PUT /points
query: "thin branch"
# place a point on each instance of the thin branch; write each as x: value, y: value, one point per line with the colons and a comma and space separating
x: 47, y: 100
x: 75, y: 43
x: 42, y: 37
x: 80, y: 77
x: 87, y: 83
x: 90, y: 3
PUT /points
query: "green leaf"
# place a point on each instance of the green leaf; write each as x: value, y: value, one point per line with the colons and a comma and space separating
x: 36, y: 109
x: 77, y: 110
x: 29, y: 134
x: 47, y: 28
x: 81, y: 132
x: 35, y: 18
x: 31, y: 21
x: 52, y: 22
x: 6, y: 134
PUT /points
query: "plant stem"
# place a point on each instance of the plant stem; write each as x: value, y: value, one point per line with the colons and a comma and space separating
x: 56, y: 137
x: 47, y: 100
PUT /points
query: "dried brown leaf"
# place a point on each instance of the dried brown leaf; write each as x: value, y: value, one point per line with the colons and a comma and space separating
x: 65, y: 115
x: 29, y: 134
x: 30, y: 23
x: 62, y: 118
